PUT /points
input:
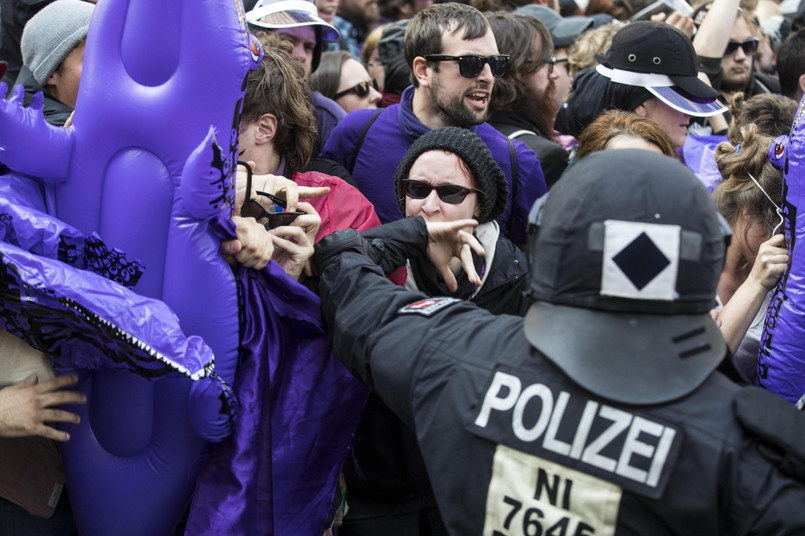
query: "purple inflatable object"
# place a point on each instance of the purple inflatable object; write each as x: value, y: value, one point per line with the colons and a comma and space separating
x: 162, y: 81
x: 781, y: 359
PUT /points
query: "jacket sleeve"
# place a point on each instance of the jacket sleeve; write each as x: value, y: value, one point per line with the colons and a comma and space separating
x: 392, y: 244
x: 381, y: 345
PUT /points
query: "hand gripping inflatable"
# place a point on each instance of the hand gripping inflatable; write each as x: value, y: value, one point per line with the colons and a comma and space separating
x: 781, y: 359
x: 161, y: 79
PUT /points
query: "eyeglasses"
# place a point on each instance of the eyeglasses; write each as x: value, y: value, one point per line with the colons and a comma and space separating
x: 253, y: 209
x: 551, y: 63
x: 749, y: 47
x: 449, y: 193
x: 472, y: 65
x: 361, y: 89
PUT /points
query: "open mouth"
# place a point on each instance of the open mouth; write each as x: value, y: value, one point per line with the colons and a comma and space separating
x: 479, y: 98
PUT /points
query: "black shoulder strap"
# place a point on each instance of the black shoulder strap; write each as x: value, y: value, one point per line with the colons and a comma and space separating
x: 515, y: 179
x: 357, y: 148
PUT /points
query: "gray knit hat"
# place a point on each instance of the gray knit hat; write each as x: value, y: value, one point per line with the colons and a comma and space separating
x: 473, y: 151
x: 52, y: 34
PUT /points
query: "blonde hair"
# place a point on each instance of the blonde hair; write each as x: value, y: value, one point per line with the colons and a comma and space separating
x: 587, y: 45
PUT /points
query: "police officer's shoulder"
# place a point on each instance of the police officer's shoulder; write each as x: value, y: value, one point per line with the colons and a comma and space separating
x: 777, y: 426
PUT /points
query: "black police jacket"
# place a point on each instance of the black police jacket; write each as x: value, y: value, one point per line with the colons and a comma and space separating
x: 514, y: 446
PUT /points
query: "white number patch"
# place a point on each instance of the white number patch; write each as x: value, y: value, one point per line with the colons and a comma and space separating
x: 531, y: 496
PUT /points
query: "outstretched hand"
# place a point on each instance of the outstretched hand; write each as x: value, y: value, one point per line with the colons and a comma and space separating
x: 26, y: 406
x: 448, y: 240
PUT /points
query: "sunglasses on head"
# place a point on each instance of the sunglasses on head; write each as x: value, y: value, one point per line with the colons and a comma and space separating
x: 361, y: 89
x: 471, y: 66
x: 749, y: 47
x: 253, y: 209
x: 449, y: 193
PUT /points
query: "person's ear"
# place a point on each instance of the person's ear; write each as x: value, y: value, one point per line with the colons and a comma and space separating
x: 266, y: 128
x: 802, y: 83
x: 422, y: 70
x: 641, y: 110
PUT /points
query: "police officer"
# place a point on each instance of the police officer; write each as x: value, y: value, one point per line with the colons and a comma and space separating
x: 602, y: 411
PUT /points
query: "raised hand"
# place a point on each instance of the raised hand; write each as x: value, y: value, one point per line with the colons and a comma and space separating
x: 448, y: 240
x: 26, y: 406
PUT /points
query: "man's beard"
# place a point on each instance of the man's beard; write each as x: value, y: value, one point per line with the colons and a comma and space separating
x: 540, y: 110
x: 736, y: 84
x: 452, y: 110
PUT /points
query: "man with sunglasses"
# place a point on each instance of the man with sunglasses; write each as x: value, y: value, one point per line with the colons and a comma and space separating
x: 454, y: 61
x: 523, y: 105
x: 726, y: 42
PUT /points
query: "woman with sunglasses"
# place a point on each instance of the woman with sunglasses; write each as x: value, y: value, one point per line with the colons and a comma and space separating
x: 749, y: 198
x: 341, y: 78
x: 447, y: 175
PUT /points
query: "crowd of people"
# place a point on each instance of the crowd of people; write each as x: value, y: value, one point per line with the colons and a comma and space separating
x: 462, y: 185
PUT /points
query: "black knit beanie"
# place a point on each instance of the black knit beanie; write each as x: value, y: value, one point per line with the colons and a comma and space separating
x: 468, y: 146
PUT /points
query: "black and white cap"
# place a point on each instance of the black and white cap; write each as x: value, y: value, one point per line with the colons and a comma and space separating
x: 625, y: 254
x: 660, y: 58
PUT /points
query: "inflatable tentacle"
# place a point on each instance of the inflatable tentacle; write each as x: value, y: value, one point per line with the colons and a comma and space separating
x: 23, y: 129
x: 206, y: 188
x: 43, y: 235
x: 781, y: 358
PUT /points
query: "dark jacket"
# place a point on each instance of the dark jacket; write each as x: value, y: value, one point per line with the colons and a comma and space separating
x: 389, y: 464
x: 514, y: 446
x: 552, y: 157
x: 54, y: 111
x: 392, y: 133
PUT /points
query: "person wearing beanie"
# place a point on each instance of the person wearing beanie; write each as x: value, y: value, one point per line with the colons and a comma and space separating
x: 53, y: 54
x: 448, y: 174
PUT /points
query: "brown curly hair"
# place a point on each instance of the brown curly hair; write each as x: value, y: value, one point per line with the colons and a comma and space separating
x: 737, y: 193
x: 771, y: 114
x: 277, y: 87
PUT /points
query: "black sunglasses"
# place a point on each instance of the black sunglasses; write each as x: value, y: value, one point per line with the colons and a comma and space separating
x: 472, y: 65
x: 449, y: 193
x: 253, y: 209
x: 749, y: 47
x: 361, y: 89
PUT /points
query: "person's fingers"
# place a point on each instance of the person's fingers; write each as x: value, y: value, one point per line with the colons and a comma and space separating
x: 289, y: 233
x: 59, y: 382
x: 59, y: 415
x: 469, y: 266
x: 231, y: 247
x: 473, y: 242
x: 311, y: 192
x: 60, y: 398
x: 50, y: 433
x: 27, y: 382
x: 291, y: 196
x: 449, y: 278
